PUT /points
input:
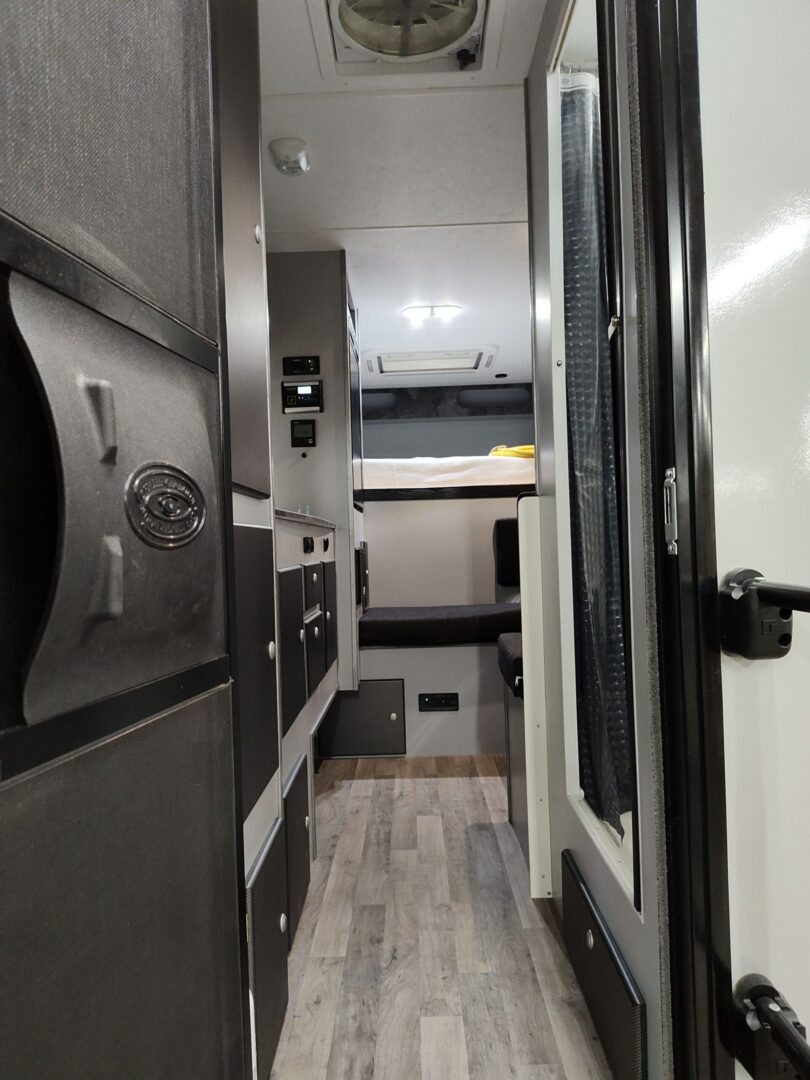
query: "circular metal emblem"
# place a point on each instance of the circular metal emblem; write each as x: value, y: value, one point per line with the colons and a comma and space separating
x: 164, y: 505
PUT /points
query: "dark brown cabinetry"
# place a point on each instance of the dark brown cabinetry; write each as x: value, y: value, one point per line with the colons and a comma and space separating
x: 296, y: 820
x: 292, y: 644
x: 330, y: 612
x: 316, y: 651
x: 269, y: 944
x: 254, y: 668
x: 366, y: 722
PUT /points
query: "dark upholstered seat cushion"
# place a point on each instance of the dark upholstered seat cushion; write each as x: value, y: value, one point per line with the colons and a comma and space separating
x: 507, y: 553
x: 510, y: 661
x: 466, y: 624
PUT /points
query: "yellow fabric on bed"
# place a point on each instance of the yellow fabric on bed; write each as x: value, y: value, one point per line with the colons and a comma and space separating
x: 512, y: 451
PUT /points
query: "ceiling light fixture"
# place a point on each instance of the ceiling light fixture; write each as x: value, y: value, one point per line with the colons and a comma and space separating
x: 417, y: 313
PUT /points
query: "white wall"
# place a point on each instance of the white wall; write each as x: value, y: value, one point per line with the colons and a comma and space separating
x: 433, y: 551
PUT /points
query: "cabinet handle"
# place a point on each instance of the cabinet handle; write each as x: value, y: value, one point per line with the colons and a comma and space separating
x: 393, y: 717
x: 301, y: 634
x: 315, y: 578
x: 317, y: 632
x: 271, y: 650
x: 329, y: 616
x: 306, y: 822
x: 282, y: 923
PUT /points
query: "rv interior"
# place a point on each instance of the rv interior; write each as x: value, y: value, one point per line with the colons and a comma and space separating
x: 383, y: 423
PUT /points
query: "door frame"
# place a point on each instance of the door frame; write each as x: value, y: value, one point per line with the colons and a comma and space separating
x: 687, y: 584
x: 634, y: 931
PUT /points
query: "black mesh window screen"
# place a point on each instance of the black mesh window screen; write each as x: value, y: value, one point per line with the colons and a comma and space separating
x: 604, y: 719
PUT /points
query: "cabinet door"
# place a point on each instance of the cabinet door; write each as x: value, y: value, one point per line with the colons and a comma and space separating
x: 313, y: 585
x: 269, y: 945
x: 254, y: 671
x: 330, y: 612
x: 366, y: 722
x: 316, y: 651
x: 292, y: 646
x: 297, y: 826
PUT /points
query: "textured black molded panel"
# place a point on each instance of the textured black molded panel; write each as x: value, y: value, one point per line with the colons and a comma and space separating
x: 119, y: 910
x: 613, y: 998
x: 296, y: 821
x: 122, y: 612
x: 254, y: 671
x: 292, y: 644
x: 330, y: 612
x: 269, y: 944
x: 359, y: 722
x: 106, y: 136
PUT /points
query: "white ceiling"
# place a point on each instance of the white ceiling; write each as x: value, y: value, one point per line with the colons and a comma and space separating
x: 424, y: 187
x: 398, y: 158
x: 484, y: 268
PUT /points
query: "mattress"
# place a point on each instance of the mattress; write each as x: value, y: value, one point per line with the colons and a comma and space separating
x: 446, y: 472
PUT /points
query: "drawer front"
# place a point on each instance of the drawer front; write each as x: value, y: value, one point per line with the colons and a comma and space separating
x: 313, y: 585
x: 316, y: 651
x: 330, y: 612
x: 292, y: 650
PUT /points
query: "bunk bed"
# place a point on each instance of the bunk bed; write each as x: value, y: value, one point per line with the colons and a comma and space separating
x: 446, y: 477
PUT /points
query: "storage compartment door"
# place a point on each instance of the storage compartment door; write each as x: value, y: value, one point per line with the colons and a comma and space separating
x: 330, y: 612
x: 365, y: 722
x: 292, y: 644
x: 268, y: 940
x: 254, y: 670
x: 297, y: 824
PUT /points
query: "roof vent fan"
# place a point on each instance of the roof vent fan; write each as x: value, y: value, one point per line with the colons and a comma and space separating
x: 407, y: 30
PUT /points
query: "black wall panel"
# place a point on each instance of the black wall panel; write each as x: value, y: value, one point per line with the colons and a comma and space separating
x: 107, y: 142
x: 292, y: 642
x: 296, y: 820
x: 360, y: 724
x: 254, y: 670
x: 137, y: 589
x: 269, y: 943
x: 119, y: 948
x: 330, y: 612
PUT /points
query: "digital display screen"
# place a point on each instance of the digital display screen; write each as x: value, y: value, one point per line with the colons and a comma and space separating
x: 302, y: 397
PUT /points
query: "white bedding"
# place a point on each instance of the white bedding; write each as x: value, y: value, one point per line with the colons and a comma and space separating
x: 440, y: 472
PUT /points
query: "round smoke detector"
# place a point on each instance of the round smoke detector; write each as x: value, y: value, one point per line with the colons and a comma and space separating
x: 405, y: 30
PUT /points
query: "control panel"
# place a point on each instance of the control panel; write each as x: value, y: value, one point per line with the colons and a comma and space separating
x: 296, y: 366
x: 302, y: 397
x: 302, y: 433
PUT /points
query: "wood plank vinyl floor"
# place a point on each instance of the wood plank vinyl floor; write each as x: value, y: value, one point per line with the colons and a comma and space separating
x: 420, y: 954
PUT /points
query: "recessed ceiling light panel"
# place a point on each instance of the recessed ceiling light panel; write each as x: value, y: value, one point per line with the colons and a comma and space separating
x: 432, y: 361
x: 417, y: 313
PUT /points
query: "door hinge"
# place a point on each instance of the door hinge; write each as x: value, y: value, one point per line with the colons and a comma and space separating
x: 671, y: 511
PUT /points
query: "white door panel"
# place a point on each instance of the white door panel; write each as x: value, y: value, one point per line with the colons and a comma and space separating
x: 755, y: 103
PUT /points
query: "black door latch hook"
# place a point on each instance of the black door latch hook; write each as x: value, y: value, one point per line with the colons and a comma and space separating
x: 756, y: 616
